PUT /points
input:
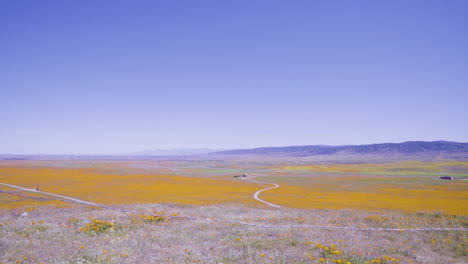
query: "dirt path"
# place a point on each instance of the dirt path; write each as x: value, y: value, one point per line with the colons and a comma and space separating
x: 51, y: 194
x: 255, y: 196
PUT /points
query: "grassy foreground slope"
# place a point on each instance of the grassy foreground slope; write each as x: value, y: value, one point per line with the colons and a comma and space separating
x: 69, y: 234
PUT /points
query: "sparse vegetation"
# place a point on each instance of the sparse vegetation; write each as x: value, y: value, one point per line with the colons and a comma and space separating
x: 79, y: 235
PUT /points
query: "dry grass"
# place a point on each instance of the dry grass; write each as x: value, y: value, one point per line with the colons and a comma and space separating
x: 69, y: 234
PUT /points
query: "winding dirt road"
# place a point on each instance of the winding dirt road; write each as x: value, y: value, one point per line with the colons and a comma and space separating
x: 255, y: 196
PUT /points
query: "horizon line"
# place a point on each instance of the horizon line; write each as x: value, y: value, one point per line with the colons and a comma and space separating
x: 133, y: 154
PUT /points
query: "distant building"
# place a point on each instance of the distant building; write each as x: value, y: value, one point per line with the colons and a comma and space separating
x: 446, y: 178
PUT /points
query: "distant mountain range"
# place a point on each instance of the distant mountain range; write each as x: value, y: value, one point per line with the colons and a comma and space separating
x: 384, y: 152
x: 405, y: 148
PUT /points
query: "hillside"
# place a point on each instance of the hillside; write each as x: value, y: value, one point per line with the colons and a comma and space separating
x: 383, y: 152
x: 405, y: 148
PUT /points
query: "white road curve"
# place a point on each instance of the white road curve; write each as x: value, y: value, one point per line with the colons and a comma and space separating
x: 255, y: 196
x: 51, y: 194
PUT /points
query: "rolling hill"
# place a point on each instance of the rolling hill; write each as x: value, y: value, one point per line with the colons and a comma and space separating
x: 410, y: 148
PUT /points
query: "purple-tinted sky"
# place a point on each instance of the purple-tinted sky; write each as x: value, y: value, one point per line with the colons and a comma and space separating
x: 121, y: 76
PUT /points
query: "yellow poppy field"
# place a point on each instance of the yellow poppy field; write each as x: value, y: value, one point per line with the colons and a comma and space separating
x: 363, y: 186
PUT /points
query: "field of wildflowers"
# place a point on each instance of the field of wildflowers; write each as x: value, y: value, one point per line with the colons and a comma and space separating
x: 55, y: 232
x: 112, y: 188
x: 204, y: 183
x: 75, y: 234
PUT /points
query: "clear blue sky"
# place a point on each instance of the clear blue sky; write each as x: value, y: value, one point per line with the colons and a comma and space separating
x: 93, y: 77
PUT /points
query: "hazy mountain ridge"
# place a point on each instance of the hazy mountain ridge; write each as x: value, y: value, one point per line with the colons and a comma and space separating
x: 409, y: 147
x: 382, y: 152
